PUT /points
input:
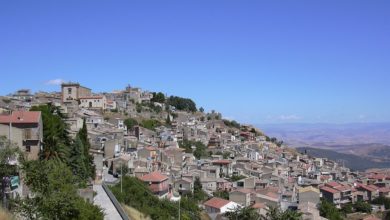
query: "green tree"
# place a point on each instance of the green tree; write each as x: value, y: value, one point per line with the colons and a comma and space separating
x: 78, y: 161
x: 221, y: 194
x: 235, y: 178
x: 274, y: 213
x: 150, y: 124
x: 130, y: 123
x: 361, y: 206
x: 329, y: 211
x: 55, y: 134
x: 382, y: 201
x: 245, y: 213
x: 200, y: 148
x: 199, y: 194
x: 138, y: 107
x: 201, y: 109
x: 8, y: 151
x: 55, y: 195
x: 86, y: 145
x: 347, y: 209
x: 226, y: 155
x: 183, y: 104
x: 233, y: 123
x: 158, y: 97
x: 137, y: 195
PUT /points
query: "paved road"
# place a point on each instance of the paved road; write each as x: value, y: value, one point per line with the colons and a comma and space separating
x: 101, y: 199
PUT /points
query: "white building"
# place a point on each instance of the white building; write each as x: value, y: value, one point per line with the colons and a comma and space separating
x: 99, y: 102
x: 216, y: 206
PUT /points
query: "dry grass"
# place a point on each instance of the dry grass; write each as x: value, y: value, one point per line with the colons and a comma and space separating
x: 204, y: 216
x: 134, y: 213
x: 4, y: 215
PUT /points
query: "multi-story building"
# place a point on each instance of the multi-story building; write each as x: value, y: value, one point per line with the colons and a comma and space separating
x: 25, y: 129
x: 93, y: 102
x: 157, y: 182
x: 73, y: 91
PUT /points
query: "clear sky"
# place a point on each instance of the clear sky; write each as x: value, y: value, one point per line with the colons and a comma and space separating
x: 255, y: 61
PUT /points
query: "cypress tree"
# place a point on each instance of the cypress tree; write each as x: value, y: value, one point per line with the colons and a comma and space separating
x: 78, y: 160
x: 83, y: 135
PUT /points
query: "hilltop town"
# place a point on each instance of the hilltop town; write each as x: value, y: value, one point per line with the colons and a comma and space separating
x: 177, y: 149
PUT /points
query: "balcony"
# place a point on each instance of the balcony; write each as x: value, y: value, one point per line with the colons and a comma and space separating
x: 30, y: 142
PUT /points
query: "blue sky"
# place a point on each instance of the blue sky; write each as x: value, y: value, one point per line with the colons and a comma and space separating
x: 255, y: 61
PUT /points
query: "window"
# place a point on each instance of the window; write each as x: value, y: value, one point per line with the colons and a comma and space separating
x: 28, y: 148
x: 69, y: 90
x: 27, y: 134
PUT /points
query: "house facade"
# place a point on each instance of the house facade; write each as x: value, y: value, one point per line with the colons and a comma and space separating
x: 93, y: 102
x: 157, y: 183
x: 73, y: 91
x: 25, y: 129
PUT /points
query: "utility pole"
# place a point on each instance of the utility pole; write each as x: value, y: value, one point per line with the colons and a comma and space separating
x: 179, y: 208
x: 121, y: 178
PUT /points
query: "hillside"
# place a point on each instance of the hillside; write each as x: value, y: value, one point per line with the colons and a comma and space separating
x: 354, y: 162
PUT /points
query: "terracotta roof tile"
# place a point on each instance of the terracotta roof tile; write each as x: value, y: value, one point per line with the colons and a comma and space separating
x: 21, y: 117
x: 328, y: 189
x: 259, y: 205
x: 333, y: 184
x: 216, y: 202
x: 221, y: 162
x: 154, y: 177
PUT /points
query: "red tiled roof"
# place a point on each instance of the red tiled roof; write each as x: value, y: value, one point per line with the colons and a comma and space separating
x: 342, y: 188
x: 272, y: 195
x: 333, y: 184
x: 154, y: 177
x: 21, y: 117
x: 221, y: 162
x: 245, y: 191
x: 216, y: 202
x: 366, y: 188
x: 373, y: 186
x: 328, y: 189
x: 259, y: 205
x: 384, y: 189
x: 377, y: 176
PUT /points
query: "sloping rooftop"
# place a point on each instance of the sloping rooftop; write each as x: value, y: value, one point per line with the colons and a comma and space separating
x: 216, y: 202
x: 154, y: 177
x: 21, y: 117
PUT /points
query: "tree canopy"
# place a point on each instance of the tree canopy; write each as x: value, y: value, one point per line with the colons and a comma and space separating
x: 137, y: 195
x: 130, y: 123
x: 55, y: 134
x: 329, y: 211
x: 183, y: 104
x: 64, y: 166
x: 55, y: 193
x: 158, y: 97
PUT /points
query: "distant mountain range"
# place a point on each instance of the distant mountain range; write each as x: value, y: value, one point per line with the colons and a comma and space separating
x: 319, y: 135
x: 367, y: 143
x: 351, y: 161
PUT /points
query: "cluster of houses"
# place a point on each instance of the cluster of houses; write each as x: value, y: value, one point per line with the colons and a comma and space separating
x: 241, y: 162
